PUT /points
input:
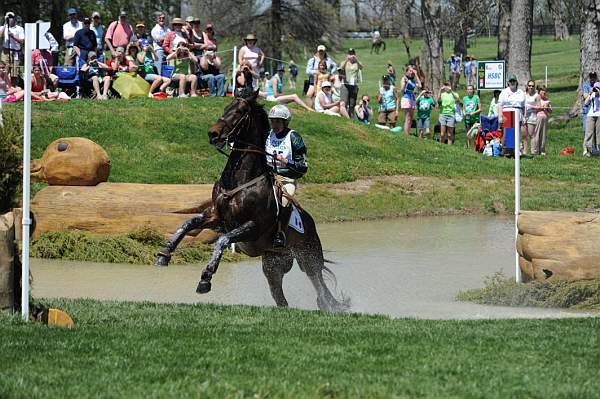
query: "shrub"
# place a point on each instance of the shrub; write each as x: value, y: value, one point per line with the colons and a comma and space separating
x: 11, y: 155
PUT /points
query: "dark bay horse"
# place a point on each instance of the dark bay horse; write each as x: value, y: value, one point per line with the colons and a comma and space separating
x: 244, y: 208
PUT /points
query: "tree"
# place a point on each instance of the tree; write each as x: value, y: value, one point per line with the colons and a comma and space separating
x: 521, y: 30
x: 433, y: 51
x: 558, y: 9
x: 504, y: 15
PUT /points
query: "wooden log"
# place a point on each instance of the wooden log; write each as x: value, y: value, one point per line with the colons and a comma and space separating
x: 7, y: 261
x: 559, y: 245
x: 119, y: 208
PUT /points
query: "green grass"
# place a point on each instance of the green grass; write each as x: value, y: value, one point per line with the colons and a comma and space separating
x: 149, y: 350
x: 504, y: 291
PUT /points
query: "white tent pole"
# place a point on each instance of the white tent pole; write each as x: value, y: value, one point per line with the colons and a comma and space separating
x: 233, y: 82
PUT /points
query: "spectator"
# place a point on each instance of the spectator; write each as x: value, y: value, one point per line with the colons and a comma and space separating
x: 340, y: 92
x: 391, y: 72
x: 196, y: 36
x: 425, y: 104
x: 92, y: 72
x: 293, y: 74
x: 352, y: 68
x: 470, y: 70
x: 39, y: 91
x: 187, y: 28
x: 322, y: 75
x: 513, y: 97
x: 253, y: 55
x: 159, y: 33
x: 69, y: 29
x: 40, y: 59
x: 176, y: 34
x: 324, y: 102
x: 409, y: 82
x: 242, y: 82
x: 263, y: 77
x: 454, y: 66
x: 472, y: 109
x: 13, y: 38
x: 586, y: 91
x: 532, y: 102
x: 312, y: 69
x: 119, y: 62
x: 131, y: 56
x: 209, y: 37
x: 209, y: 65
x: 592, y: 134
x: 6, y: 86
x: 119, y: 34
x: 183, y: 61
x: 543, y: 110
x: 387, y: 97
x: 147, y: 60
x: 363, y: 111
x: 140, y: 31
x: 84, y: 41
x: 274, y: 90
x: 447, y: 100
x: 493, y: 110
x: 100, y: 31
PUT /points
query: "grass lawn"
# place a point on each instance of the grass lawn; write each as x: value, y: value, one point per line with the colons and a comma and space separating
x: 148, y: 350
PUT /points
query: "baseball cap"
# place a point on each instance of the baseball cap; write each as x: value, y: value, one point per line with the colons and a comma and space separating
x: 325, y: 84
x: 72, y: 11
x: 320, y: 47
x: 190, y: 18
x: 123, y: 14
x: 280, y: 67
x: 351, y: 51
x: 95, y: 14
x: 140, y: 23
x: 86, y: 20
x: 513, y: 77
x: 209, y: 52
x: 9, y: 14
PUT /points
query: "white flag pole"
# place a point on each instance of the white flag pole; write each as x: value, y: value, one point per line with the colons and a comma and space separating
x: 30, y: 33
x: 233, y: 82
x: 517, y: 124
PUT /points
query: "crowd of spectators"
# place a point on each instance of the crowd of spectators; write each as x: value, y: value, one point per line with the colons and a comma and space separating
x: 175, y: 59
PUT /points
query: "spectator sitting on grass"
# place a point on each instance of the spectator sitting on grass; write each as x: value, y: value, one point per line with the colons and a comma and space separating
x: 183, y: 72
x: 324, y: 102
x: 363, y: 110
x: 6, y: 87
x: 92, y: 69
x: 425, y: 104
x: 147, y: 59
x: 387, y: 97
x: 274, y: 90
x: 209, y: 65
x: 39, y: 91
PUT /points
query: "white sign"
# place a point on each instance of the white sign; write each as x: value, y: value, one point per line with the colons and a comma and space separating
x: 38, y: 39
x: 491, y: 75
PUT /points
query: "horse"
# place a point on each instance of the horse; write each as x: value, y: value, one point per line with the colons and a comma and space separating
x: 376, y: 45
x: 245, y: 207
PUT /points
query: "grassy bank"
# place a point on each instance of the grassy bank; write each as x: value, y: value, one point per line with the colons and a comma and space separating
x: 148, y: 350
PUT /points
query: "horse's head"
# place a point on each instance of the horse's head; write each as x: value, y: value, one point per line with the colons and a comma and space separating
x: 235, y: 119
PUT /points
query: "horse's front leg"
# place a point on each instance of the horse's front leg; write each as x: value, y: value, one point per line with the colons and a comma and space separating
x: 164, y: 255
x: 242, y: 233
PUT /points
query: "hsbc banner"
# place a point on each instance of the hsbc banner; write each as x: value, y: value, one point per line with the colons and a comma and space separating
x: 491, y: 75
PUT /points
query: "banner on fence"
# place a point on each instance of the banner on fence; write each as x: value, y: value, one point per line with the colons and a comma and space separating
x: 491, y: 75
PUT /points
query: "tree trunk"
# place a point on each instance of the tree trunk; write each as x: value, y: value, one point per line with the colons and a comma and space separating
x: 460, y: 40
x: 589, y: 53
x: 276, y: 23
x: 433, y: 51
x: 405, y: 24
x: 558, y: 9
x: 356, y: 13
x: 503, y: 28
x: 519, y: 62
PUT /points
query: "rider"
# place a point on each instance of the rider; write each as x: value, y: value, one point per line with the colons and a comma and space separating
x: 290, y: 153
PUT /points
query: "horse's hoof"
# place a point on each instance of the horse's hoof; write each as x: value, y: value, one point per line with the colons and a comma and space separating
x: 203, y: 287
x: 162, y: 260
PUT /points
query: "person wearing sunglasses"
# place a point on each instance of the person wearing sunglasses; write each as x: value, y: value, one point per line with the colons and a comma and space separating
x: 159, y: 33
x: 532, y: 103
x: 513, y: 97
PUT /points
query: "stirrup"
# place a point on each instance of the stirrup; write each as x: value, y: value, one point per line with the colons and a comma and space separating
x: 279, y: 241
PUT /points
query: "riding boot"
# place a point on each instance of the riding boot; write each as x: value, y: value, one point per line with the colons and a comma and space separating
x: 283, y: 218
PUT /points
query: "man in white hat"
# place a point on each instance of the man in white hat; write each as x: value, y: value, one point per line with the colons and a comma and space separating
x: 286, y: 147
x: 325, y: 103
x: 13, y: 37
x: 312, y: 68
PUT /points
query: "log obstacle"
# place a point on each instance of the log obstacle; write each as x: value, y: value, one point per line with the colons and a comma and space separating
x: 120, y: 208
x: 8, y: 262
x: 559, y: 245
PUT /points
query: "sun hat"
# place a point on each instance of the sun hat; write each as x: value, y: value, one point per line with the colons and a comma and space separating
x: 189, y: 18
x: 325, y: 84
x: 250, y: 36
x: 95, y: 14
x: 140, y: 23
x: 177, y: 21
x: 321, y: 47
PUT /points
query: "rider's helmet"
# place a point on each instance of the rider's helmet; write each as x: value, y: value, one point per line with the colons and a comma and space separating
x: 280, y: 112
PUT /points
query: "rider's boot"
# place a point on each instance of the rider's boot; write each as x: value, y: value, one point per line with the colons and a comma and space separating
x: 284, y: 215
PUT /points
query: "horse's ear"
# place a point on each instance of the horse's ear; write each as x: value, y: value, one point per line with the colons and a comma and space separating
x: 251, y: 95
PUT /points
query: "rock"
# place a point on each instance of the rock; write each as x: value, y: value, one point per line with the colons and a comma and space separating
x: 559, y: 245
x: 72, y: 161
x: 7, y: 258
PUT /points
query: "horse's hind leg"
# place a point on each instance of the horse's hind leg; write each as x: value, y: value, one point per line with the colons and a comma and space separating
x: 164, y: 255
x: 242, y: 233
x: 275, y: 265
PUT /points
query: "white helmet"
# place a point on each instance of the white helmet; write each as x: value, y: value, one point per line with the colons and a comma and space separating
x: 280, y: 112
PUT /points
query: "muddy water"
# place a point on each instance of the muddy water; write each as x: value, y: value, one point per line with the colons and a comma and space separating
x: 402, y: 268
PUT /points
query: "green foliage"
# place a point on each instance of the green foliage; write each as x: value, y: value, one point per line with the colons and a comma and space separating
x: 501, y: 290
x: 141, y: 350
x: 11, y: 158
x: 139, y: 247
